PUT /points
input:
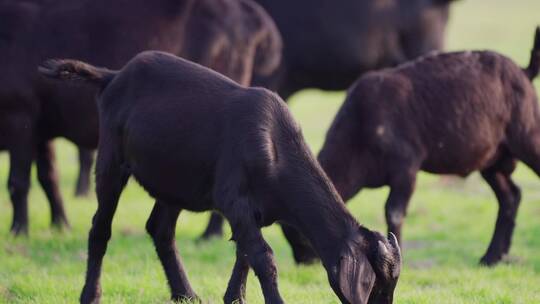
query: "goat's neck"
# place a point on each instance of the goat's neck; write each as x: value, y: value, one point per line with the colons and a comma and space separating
x: 328, y: 230
x: 319, y: 213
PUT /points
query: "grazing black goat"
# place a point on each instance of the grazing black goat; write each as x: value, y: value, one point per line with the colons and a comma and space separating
x: 234, y: 37
x: 196, y: 140
x: 452, y: 113
x: 328, y: 44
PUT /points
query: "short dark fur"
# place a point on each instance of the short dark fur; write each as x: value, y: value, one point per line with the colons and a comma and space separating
x: 451, y: 113
x: 226, y: 35
x: 328, y: 44
x: 196, y: 140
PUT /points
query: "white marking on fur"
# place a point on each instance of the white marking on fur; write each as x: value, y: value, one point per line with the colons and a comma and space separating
x: 380, y: 130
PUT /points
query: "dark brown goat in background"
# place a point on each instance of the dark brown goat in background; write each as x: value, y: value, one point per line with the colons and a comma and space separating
x: 452, y: 113
x: 198, y: 141
x: 235, y: 37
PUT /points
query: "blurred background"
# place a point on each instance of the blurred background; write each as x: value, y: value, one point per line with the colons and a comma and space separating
x: 448, y: 227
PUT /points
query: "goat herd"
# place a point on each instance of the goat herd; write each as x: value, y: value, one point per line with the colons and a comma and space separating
x: 197, y: 140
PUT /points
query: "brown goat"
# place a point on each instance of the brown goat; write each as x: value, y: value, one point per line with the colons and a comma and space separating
x: 451, y: 113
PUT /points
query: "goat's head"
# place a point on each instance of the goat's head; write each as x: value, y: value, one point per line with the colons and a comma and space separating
x: 367, y: 269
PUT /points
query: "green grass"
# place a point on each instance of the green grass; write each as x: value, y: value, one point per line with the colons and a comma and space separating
x: 447, y: 229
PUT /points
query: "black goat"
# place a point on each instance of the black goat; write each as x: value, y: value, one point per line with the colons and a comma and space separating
x: 196, y: 140
x: 234, y: 37
x: 451, y: 113
x: 328, y: 45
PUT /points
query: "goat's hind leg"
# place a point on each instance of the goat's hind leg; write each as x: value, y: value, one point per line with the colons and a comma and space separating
x: 508, y: 195
x: 110, y: 181
x: 21, y: 152
x: 214, y: 228
x: 161, y: 226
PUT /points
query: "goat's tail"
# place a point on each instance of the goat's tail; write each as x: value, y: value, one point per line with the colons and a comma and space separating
x: 74, y: 70
x: 534, y: 65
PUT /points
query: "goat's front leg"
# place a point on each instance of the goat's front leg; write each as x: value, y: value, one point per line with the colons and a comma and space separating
x: 401, y: 190
x: 162, y: 226
x: 251, y: 243
x: 236, y: 290
x: 110, y: 181
x: 508, y: 196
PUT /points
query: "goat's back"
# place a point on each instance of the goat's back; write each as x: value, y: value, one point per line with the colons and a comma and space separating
x: 454, y: 108
x: 177, y: 120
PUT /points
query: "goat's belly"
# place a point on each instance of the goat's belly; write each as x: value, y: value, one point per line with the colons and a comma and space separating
x: 460, y: 161
x: 188, y: 196
x: 187, y: 184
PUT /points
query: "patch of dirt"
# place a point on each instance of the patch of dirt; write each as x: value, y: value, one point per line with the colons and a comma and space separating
x: 6, y: 294
x: 17, y: 249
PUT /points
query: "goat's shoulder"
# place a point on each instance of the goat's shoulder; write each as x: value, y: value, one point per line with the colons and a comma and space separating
x: 383, y: 86
x: 263, y: 105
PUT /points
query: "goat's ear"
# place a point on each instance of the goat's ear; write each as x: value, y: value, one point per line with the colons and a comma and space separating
x: 356, y: 278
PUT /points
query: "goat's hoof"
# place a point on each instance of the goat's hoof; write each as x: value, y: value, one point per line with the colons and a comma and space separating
x: 490, y: 260
x: 90, y: 300
x: 189, y: 298
x: 82, y: 192
x: 306, y: 257
x: 233, y: 299
x: 19, y: 229
x: 90, y: 296
x: 60, y: 224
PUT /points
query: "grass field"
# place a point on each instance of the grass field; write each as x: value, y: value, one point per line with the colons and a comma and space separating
x: 447, y: 230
